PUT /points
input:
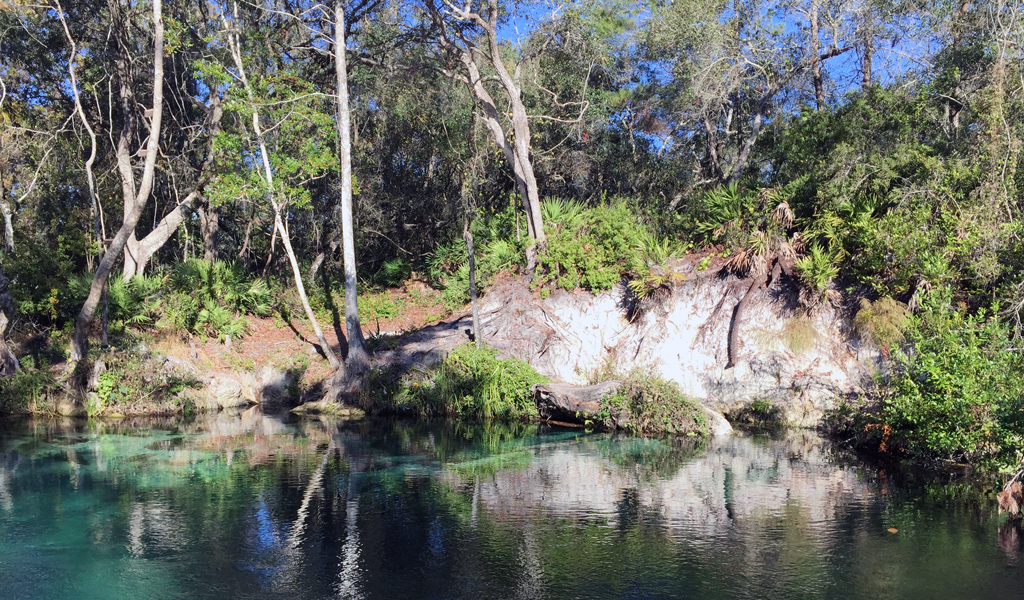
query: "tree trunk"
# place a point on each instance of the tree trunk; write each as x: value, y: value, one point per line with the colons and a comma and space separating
x: 467, y: 235
x: 516, y: 151
x: 756, y: 283
x: 139, y: 252
x: 868, y: 48
x: 8, y: 362
x: 268, y: 177
x: 357, y: 359
x: 209, y: 224
x: 5, y: 208
x: 819, y: 84
x: 137, y: 200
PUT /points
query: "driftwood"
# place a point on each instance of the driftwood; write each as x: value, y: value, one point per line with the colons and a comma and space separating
x: 570, y: 403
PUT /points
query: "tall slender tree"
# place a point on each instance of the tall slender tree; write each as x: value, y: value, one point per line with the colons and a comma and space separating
x: 357, y: 359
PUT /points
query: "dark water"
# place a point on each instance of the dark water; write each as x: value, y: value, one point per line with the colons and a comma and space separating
x: 253, y: 507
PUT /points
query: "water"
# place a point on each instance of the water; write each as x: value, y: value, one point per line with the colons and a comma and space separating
x: 254, y: 507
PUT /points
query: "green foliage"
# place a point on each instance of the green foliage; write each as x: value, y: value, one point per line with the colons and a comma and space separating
x: 654, y: 265
x: 379, y: 305
x: 213, y: 298
x: 953, y: 390
x: 957, y: 396
x: 817, y: 269
x: 497, y: 249
x: 473, y: 383
x: 591, y: 249
x: 393, y: 272
x: 882, y: 321
x: 28, y: 390
x: 722, y: 215
x: 758, y: 415
x: 647, y: 403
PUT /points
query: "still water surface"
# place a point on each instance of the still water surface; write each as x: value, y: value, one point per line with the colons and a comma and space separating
x: 252, y: 506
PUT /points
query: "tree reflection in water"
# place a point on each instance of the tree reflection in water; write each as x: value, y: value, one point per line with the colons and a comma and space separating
x: 250, y: 505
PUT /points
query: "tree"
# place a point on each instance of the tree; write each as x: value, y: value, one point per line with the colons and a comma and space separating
x: 455, y: 39
x: 134, y: 198
x: 268, y: 186
x: 357, y: 360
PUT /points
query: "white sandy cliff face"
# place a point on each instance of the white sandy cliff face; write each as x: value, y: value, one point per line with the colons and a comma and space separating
x: 800, y: 362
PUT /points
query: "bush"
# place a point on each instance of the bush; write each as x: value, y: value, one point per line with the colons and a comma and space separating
x: 882, y: 322
x: 957, y: 396
x: 473, y: 383
x: 212, y: 298
x: 648, y: 404
x: 593, y: 248
x: 28, y: 390
x: 497, y: 248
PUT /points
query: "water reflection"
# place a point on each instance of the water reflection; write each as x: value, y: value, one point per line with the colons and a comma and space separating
x: 248, y: 505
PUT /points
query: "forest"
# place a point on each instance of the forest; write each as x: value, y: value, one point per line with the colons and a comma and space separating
x: 180, y: 167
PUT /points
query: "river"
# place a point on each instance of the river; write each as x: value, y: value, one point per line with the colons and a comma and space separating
x: 253, y: 506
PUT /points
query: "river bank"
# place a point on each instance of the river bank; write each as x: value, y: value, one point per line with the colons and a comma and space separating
x: 777, y: 364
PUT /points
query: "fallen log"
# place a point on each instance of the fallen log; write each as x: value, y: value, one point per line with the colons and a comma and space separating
x: 574, y: 404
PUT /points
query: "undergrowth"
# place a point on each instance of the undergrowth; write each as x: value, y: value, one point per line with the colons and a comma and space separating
x: 955, y: 396
x: 646, y: 403
x: 471, y: 383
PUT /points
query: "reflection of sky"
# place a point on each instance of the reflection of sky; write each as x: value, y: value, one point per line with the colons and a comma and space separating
x: 264, y: 541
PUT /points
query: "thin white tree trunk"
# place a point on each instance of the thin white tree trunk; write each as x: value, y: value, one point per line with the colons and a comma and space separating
x: 268, y: 176
x: 139, y: 252
x: 357, y: 360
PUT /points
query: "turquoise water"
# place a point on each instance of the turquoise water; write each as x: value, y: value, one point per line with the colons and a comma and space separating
x: 249, y: 506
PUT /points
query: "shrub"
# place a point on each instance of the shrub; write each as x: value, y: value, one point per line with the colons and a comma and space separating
x: 758, y: 415
x: 645, y: 403
x: 957, y: 396
x: 816, y: 270
x: 28, y: 390
x: 882, y: 321
x: 594, y: 249
x: 473, y: 383
x: 212, y: 298
x: 497, y: 248
x: 653, y: 265
x: 393, y: 272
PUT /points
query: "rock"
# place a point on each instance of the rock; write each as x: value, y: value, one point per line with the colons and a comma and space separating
x: 274, y: 385
x: 801, y: 362
x: 570, y: 403
x: 67, y: 408
x: 223, y: 391
x: 717, y: 423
